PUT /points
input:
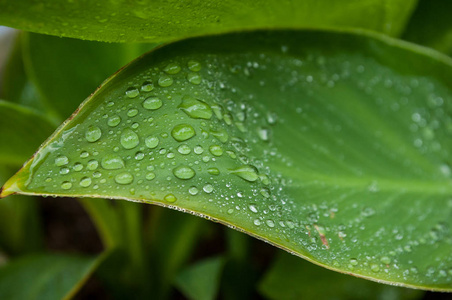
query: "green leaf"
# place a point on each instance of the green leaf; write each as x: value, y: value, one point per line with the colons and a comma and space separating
x: 66, y: 71
x: 158, y: 21
x: 201, y: 281
x: 45, y: 276
x: 21, y: 131
x: 293, y: 278
x: 332, y: 145
x: 431, y: 25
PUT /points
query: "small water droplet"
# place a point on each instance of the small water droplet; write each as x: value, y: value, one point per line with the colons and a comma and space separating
x: 170, y: 198
x: 194, y: 65
x: 172, y: 69
x: 85, y: 182
x: 386, y: 260
x: 257, y: 222
x: 184, y: 149
x: 139, y: 155
x: 151, y: 142
x: 132, y: 92
x: 92, y: 165
x: 84, y: 154
x: 213, y: 171
x: 195, y: 108
x: 66, y: 185
x: 150, y: 176
x: 193, y: 190
x: 132, y: 112
x: 61, y: 161
x: 114, y: 121
x: 124, y: 178
x: 375, y: 268
x: 220, y: 135
x: 147, y: 86
x: 112, y: 162
x: 353, y: 261
x: 152, y: 103
x: 165, y: 80
x: 184, y: 172
x: 270, y: 223
x: 198, y: 150
x: 263, y: 133
x: 194, y: 78
x: 208, y: 188
x: 182, y: 132
x: 253, y: 208
x: 129, y: 139
x: 216, y: 150
x: 64, y: 171
x: 249, y: 173
x: 93, y: 134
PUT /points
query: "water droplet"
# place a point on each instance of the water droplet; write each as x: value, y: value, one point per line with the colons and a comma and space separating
x: 353, y: 261
x: 227, y: 119
x: 77, y: 167
x: 253, y: 208
x: 129, y: 139
x: 216, y: 150
x: 170, y: 198
x: 213, y: 171
x: 270, y: 223
x: 220, y: 135
x: 139, y: 155
x: 195, y: 108
x: 114, y: 121
x: 375, y: 268
x: 264, y: 179
x: 172, y: 69
x: 124, y: 178
x: 184, y: 149
x: 257, y: 222
x: 165, y: 80
x: 152, y: 103
x: 194, y: 65
x: 265, y: 192
x: 84, y: 154
x: 132, y: 112
x: 66, y: 185
x: 85, y: 182
x: 218, y: 111
x: 61, y: 161
x: 112, y: 162
x: 150, y: 176
x: 194, y: 78
x: 64, y: 171
x: 184, y: 172
x: 93, y: 134
x: 151, y: 142
x: 193, y: 190
x: 182, y: 132
x: 132, y: 92
x: 230, y: 211
x: 249, y: 173
x: 147, y: 86
x: 386, y: 260
x: 208, y: 188
x: 263, y: 133
x: 198, y: 150
x: 92, y: 165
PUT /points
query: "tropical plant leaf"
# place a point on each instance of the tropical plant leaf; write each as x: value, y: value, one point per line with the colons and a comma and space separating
x: 158, y: 21
x: 21, y: 131
x: 332, y: 145
x: 293, y: 278
x: 201, y: 281
x: 48, y: 61
x: 431, y: 26
x: 45, y: 276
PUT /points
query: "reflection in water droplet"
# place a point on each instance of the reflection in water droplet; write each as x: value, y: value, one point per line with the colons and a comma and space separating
x: 66, y: 185
x: 249, y: 173
x: 151, y: 142
x: 194, y: 65
x: 152, y: 103
x: 61, y: 160
x: 172, y: 69
x: 114, y: 121
x: 165, y: 80
x: 208, y: 188
x: 170, y: 198
x: 184, y: 149
x: 77, y: 167
x: 213, y: 171
x: 132, y: 92
x: 194, y: 78
x: 195, y: 108
x: 92, y: 165
x: 216, y: 150
x: 147, y: 86
x: 112, y: 162
x: 193, y: 190
x: 85, y: 182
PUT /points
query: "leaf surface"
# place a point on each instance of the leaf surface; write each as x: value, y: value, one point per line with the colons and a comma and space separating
x: 45, y: 276
x: 332, y: 145
x: 157, y: 21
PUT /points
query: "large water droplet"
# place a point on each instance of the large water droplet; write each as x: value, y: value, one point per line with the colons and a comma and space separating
x: 129, y: 139
x: 93, y: 134
x: 147, y: 86
x: 213, y: 171
x: 66, y: 185
x: 184, y: 172
x: 193, y: 190
x: 152, y: 103
x: 195, y: 108
x: 112, y: 162
x: 92, y: 165
x: 85, y: 182
x: 220, y: 135
x: 216, y: 150
x: 182, y: 132
x: 150, y: 176
x: 124, y: 178
x: 114, y: 121
x: 184, y: 149
x: 208, y: 188
x: 77, y: 167
x: 249, y: 173
x: 132, y: 92
x: 172, y: 68
x: 165, y: 80
x: 263, y: 133
x: 194, y: 65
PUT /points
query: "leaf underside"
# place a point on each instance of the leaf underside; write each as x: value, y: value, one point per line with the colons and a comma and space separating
x: 333, y: 146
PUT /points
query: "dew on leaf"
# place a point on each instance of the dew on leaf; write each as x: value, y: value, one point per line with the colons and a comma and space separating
x: 194, y: 65
x: 195, y: 108
x: 112, y: 162
x: 132, y: 92
x: 147, y: 86
x: 93, y: 134
x: 85, y: 182
x: 182, y: 132
x: 61, y: 160
x: 129, y: 139
x: 152, y: 103
x: 249, y: 173
x: 77, y: 167
x: 216, y: 150
x: 194, y: 78
x: 124, y: 178
x: 193, y: 190
x: 66, y: 185
x: 208, y: 188
x: 150, y: 176
x: 64, y: 171
x: 198, y: 150
x: 170, y: 198
x: 165, y: 80
x: 184, y: 172
x: 172, y: 69
x: 151, y: 142
x: 213, y: 171
x: 114, y: 121
x: 184, y: 149
x: 92, y: 164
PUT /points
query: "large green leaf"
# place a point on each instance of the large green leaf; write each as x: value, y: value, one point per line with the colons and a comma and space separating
x: 66, y: 71
x: 334, y: 146
x: 292, y: 278
x: 45, y: 276
x: 156, y: 21
x: 431, y: 25
x: 21, y: 131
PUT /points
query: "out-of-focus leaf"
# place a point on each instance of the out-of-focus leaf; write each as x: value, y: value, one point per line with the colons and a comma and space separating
x: 21, y: 131
x: 201, y: 280
x: 431, y: 25
x: 291, y: 278
x: 332, y: 145
x: 16, y: 87
x: 45, y: 276
x: 161, y: 20
x: 66, y: 71
x: 20, y: 227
